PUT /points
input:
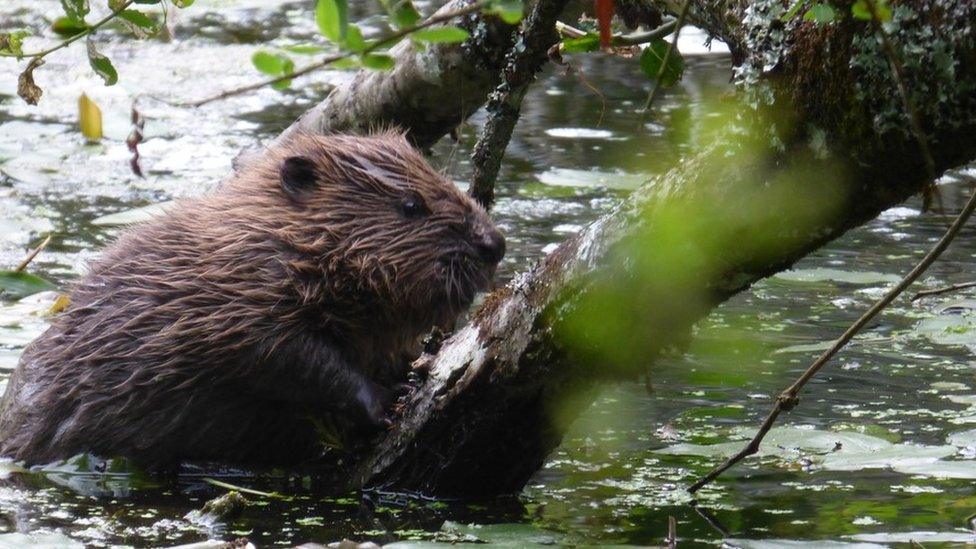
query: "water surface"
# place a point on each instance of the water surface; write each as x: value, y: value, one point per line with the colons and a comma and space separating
x: 907, y: 380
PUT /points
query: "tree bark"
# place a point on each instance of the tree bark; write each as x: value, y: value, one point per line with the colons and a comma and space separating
x: 428, y: 93
x: 502, y: 389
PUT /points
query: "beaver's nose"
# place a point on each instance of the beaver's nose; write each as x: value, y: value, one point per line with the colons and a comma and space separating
x: 491, y: 245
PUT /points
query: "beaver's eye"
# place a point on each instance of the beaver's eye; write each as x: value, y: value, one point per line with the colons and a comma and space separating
x: 413, y: 207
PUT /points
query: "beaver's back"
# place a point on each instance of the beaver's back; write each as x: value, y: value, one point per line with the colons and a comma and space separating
x: 224, y: 328
x: 156, y: 332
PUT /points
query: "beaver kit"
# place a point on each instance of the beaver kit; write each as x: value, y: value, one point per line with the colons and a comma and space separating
x: 226, y: 328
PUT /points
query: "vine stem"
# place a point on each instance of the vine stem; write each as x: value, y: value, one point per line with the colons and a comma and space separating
x: 392, y: 38
x: 678, y: 24
x: 787, y: 400
x: 74, y: 38
x: 899, y: 73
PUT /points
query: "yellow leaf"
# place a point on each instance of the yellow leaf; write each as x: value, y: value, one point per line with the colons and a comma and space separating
x: 59, y: 305
x: 89, y: 118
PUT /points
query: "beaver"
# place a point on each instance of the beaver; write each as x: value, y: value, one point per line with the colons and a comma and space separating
x: 225, y: 328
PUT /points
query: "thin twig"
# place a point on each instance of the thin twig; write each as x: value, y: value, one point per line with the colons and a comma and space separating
x: 243, y: 489
x: 569, y: 31
x: 636, y: 38
x: 385, y: 41
x: 74, y: 38
x: 672, y: 533
x: 711, y: 519
x: 787, y: 400
x: 667, y: 55
x: 621, y: 40
x: 943, y: 290
x: 31, y: 255
x: 898, y: 71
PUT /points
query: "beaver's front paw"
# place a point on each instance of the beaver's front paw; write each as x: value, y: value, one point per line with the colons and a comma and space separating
x: 369, y: 408
x: 375, y: 406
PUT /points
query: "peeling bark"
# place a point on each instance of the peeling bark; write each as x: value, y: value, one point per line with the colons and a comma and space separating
x: 485, y: 417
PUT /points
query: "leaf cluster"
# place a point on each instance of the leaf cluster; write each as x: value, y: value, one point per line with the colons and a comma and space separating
x: 332, y: 20
x: 74, y: 25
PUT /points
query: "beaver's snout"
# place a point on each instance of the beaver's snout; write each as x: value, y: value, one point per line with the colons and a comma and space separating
x: 490, y: 244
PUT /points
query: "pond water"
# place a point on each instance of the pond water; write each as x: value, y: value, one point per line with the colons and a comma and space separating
x: 879, y: 453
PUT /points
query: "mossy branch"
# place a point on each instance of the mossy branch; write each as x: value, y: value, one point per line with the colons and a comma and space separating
x: 789, y: 398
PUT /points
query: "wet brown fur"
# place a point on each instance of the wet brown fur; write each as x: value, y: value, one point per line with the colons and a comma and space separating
x: 221, y: 329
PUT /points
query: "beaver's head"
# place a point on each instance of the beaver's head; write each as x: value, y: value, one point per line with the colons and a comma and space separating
x: 380, y: 224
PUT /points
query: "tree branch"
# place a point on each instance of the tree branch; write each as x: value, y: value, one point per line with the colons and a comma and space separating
x: 505, y: 103
x: 74, y: 38
x: 392, y: 38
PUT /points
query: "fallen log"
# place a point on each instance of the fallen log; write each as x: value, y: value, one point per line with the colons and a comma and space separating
x: 819, y: 144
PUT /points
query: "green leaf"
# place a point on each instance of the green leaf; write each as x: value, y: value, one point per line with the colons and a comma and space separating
x: 101, y: 65
x: 590, y: 42
x: 332, y: 17
x: 304, y: 49
x: 182, y: 3
x: 354, y: 39
x: 140, y: 20
x: 275, y: 64
x: 347, y: 63
x: 281, y: 85
x: 287, y: 67
x: 510, y: 11
x: 378, y: 61
x: 402, y: 13
x: 439, y: 35
x: 66, y: 26
x: 653, y: 57
x: 15, y: 285
x: 820, y: 13
x: 13, y: 42
x: 75, y: 9
x: 147, y: 2
x: 794, y: 9
x: 862, y: 10
x: 270, y: 63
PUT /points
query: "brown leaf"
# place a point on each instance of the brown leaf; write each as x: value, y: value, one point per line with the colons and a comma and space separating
x: 133, y: 140
x: 26, y: 88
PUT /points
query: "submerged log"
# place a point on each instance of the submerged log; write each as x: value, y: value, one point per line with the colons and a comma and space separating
x: 827, y: 148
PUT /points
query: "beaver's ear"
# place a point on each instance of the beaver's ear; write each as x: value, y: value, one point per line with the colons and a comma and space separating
x: 298, y: 176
